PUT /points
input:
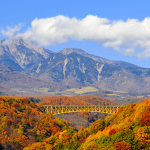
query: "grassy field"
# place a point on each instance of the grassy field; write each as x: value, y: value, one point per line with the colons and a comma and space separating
x: 83, y: 90
x: 41, y: 90
x: 113, y: 95
x: 76, y: 91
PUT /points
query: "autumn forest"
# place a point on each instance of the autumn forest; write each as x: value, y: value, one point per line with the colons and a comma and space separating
x: 24, y: 125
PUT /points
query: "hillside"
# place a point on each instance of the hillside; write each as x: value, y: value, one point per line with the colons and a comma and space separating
x: 82, y: 119
x: 23, y: 123
x: 76, y: 69
x: 128, y: 129
x: 20, y: 83
x: 74, y: 100
x: 7, y: 91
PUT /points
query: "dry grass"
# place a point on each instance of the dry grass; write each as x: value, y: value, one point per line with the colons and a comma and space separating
x: 42, y: 90
x: 113, y: 95
x: 72, y: 90
x: 83, y: 90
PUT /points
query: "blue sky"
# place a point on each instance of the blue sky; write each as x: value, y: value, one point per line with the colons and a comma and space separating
x: 115, y: 30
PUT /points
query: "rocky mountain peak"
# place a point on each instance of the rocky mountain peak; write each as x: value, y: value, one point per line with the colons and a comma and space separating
x: 67, y: 51
x: 72, y: 66
x: 22, y: 52
x: 12, y: 41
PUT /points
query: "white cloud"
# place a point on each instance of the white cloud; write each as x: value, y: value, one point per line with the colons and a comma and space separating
x: 11, y: 30
x: 124, y: 36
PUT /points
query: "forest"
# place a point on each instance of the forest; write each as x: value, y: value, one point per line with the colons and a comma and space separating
x: 73, y: 100
x: 24, y: 125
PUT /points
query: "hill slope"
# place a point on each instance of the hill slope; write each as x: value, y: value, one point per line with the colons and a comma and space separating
x: 23, y: 123
x: 13, y: 79
x: 128, y: 129
x: 20, y: 54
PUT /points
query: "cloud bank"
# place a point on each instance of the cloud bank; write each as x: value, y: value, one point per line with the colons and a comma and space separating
x: 131, y: 37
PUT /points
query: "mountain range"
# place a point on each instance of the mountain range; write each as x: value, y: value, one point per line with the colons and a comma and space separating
x: 28, y: 68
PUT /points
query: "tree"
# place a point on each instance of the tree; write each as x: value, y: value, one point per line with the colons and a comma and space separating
x: 122, y: 146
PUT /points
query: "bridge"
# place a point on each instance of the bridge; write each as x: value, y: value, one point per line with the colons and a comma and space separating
x: 69, y: 109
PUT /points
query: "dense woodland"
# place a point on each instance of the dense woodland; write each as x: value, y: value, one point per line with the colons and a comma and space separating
x: 73, y: 100
x: 79, y: 120
x: 24, y: 125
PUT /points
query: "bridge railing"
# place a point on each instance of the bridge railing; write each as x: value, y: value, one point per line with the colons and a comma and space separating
x: 68, y: 109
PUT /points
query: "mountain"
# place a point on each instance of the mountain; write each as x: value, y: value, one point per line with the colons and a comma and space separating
x: 67, y: 51
x: 21, y: 83
x: 74, y: 67
x: 8, y: 91
x: 131, y: 67
x: 60, y: 67
x: 67, y: 69
x: 20, y: 54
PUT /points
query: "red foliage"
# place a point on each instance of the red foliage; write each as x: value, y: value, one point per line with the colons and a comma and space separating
x: 26, y: 100
x: 1, y: 99
x: 24, y: 128
x: 75, y: 100
x: 120, y: 109
x: 16, y: 105
x: 81, y: 141
x: 132, y: 105
x: 122, y: 146
x: 46, y: 141
x: 9, y: 122
x: 112, y: 131
x: 145, y: 120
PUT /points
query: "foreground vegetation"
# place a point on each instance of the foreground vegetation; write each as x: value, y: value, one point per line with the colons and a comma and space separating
x: 24, y: 125
x: 128, y: 129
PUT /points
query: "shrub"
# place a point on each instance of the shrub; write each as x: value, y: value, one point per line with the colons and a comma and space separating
x: 112, y: 131
x: 16, y: 105
x: 122, y: 146
x: 96, y: 126
x: 126, y: 136
x: 104, y: 140
x: 9, y: 122
x: 145, y: 120
x: 52, y: 140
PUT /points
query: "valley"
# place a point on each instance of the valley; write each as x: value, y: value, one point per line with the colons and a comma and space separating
x: 32, y: 77
x: 74, y: 75
x: 25, y: 125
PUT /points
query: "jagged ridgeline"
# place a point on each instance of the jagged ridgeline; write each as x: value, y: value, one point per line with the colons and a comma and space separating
x: 47, y: 72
